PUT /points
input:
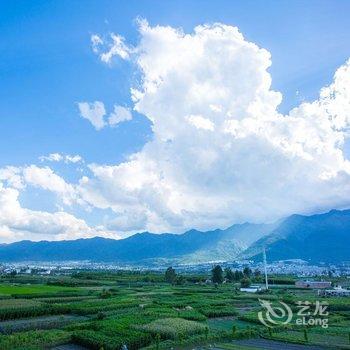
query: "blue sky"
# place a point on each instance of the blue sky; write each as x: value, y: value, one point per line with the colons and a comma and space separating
x: 47, y: 66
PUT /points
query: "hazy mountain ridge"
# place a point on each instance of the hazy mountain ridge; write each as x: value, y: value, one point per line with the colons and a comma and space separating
x: 320, y: 237
x: 316, y: 238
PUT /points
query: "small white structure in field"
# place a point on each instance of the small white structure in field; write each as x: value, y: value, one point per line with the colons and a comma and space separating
x: 251, y: 289
x: 336, y: 292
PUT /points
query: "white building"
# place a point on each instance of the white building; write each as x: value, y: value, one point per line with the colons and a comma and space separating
x: 251, y: 289
x: 336, y: 292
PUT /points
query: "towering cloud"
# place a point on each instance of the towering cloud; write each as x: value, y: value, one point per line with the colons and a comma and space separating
x: 221, y: 151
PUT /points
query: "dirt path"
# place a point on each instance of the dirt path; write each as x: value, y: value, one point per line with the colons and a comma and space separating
x: 69, y: 347
x: 255, y: 344
x: 266, y: 344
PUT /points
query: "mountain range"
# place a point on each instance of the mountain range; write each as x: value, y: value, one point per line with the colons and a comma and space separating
x: 315, y: 238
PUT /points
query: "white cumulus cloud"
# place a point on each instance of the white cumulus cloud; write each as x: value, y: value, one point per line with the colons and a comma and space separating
x: 120, y: 114
x: 45, y: 178
x: 221, y: 152
x: 94, y: 112
x: 12, y: 176
x: 17, y: 223
x: 200, y: 123
x: 58, y: 157
x: 115, y: 47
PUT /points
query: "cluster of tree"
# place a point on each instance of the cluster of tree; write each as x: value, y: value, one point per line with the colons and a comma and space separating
x: 218, y: 276
x: 172, y: 277
x: 237, y: 275
x: 245, y: 276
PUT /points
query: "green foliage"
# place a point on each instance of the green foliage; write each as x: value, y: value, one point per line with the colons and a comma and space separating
x: 170, y: 275
x: 112, y: 333
x: 32, y: 311
x: 238, y: 275
x: 105, y: 294
x: 247, y: 272
x: 10, y: 289
x: 157, y: 340
x: 6, y: 304
x: 43, y: 322
x: 33, y: 340
x: 95, y: 340
x: 246, y: 333
x: 245, y: 282
x: 174, y: 328
x: 100, y: 315
x: 281, y: 280
x: 217, y: 274
x: 257, y: 273
x: 180, y: 280
x: 218, y: 311
x: 229, y: 275
x: 119, y: 308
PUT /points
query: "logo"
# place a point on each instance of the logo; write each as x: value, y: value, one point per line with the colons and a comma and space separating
x: 274, y: 315
x: 279, y: 313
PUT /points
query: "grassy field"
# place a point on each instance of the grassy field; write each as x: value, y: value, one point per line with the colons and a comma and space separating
x: 107, y: 310
x: 18, y: 289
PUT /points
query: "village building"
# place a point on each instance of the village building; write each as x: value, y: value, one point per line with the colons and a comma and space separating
x: 313, y: 284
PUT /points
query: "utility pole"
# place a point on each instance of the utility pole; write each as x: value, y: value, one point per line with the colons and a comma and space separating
x: 265, y: 269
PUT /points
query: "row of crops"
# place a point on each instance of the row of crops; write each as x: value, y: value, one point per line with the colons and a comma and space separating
x: 145, y: 315
x: 137, y: 315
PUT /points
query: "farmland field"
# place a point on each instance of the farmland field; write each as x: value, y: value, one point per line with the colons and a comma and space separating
x: 107, y: 310
x: 10, y: 289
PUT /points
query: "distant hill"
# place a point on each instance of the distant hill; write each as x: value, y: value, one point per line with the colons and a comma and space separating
x: 192, y: 246
x: 315, y: 238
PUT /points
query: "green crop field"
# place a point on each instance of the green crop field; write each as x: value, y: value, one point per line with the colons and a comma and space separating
x: 107, y: 310
x: 10, y: 289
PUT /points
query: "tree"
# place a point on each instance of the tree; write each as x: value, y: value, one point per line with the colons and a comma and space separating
x: 229, y: 275
x: 170, y: 275
x: 245, y: 282
x: 217, y: 274
x: 247, y: 272
x: 257, y: 277
x: 179, y: 280
x: 238, y: 275
x: 257, y: 273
